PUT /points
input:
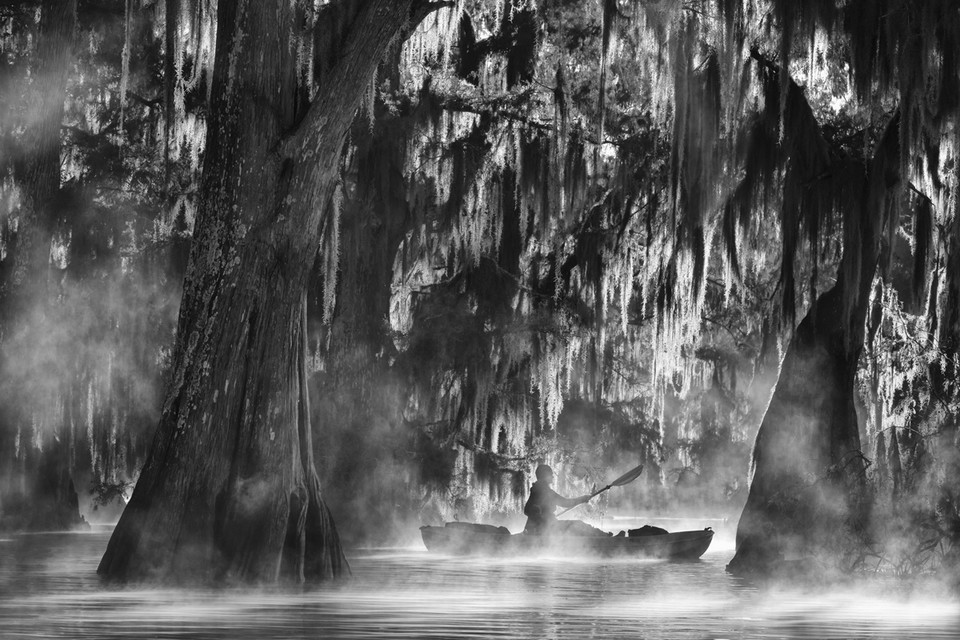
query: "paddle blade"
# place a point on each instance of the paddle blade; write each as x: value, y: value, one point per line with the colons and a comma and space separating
x: 628, y: 477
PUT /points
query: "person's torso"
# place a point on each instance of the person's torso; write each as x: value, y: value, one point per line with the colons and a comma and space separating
x: 543, y: 497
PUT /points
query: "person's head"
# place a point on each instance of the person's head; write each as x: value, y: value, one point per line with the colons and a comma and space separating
x: 544, y: 474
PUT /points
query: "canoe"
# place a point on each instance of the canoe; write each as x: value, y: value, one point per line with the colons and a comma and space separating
x: 457, y: 538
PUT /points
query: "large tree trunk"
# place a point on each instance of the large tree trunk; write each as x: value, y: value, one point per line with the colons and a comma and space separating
x: 945, y: 381
x: 807, y: 489
x: 230, y: 489
x: 806, y: 460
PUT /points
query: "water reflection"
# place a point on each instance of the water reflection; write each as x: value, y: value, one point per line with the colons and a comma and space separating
x: 48, y: 588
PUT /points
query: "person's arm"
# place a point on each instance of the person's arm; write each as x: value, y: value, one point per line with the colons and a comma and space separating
x: 569, y: 502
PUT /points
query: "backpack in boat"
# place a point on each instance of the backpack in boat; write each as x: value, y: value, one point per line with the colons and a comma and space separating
x: 646, y: 530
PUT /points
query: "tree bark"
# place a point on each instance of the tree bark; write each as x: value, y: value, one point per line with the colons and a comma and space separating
x: 807, y: 487
x: 230, y: 489
x: 806, y: 460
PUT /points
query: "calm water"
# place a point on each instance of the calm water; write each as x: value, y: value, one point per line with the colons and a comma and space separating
x: 49, y: 589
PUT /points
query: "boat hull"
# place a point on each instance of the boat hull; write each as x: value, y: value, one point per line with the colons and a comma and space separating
x: 453, y: 540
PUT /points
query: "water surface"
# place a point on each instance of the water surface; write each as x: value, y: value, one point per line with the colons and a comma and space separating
x: 49, y: 589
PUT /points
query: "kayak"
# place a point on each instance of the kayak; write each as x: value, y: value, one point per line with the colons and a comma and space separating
x: 462, y: 538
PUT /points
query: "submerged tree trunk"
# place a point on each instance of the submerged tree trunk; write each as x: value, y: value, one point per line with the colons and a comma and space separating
x: 945, y: 381
x: 807, y: 461
x: 807, y: 488
x: 230, y: 489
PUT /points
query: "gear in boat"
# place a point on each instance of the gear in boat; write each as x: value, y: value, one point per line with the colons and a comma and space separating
x: 464, y: 538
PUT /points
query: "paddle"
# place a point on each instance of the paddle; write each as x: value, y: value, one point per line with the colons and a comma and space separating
x: 626, y: 478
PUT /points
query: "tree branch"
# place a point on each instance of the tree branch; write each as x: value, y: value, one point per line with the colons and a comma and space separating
x: 377, y: 24
x: 491, y: 107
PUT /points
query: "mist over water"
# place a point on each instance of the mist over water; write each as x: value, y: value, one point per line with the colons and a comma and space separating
x: 49, y: 589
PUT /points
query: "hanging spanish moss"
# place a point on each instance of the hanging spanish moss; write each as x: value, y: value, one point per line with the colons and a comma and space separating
x: 511, y: 232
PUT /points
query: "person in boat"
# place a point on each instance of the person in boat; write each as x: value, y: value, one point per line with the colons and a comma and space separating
x: 542, y: 505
